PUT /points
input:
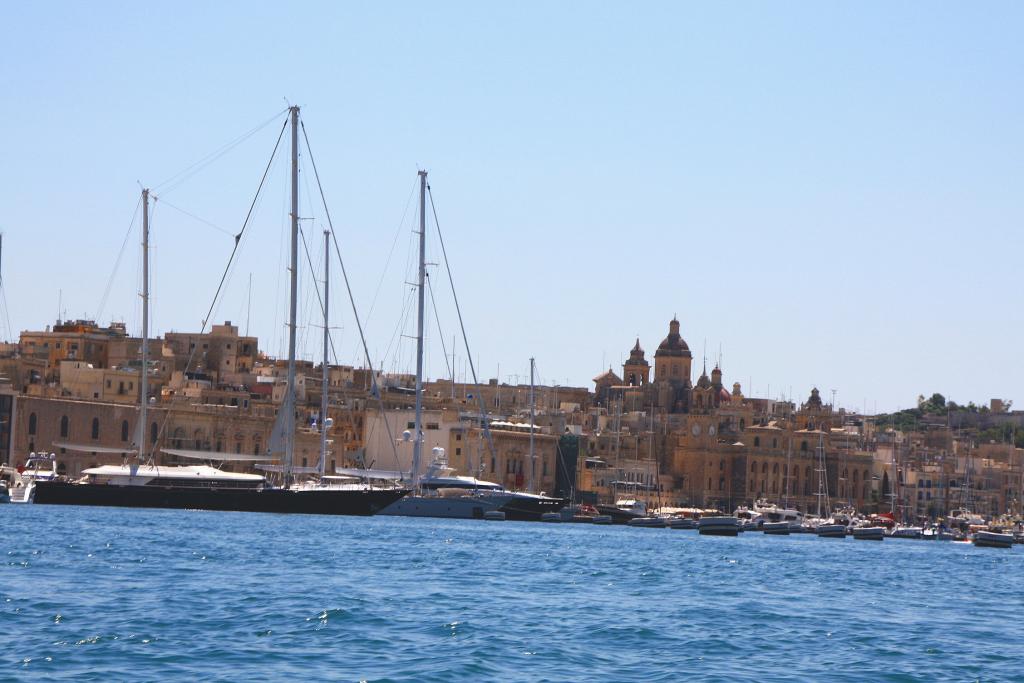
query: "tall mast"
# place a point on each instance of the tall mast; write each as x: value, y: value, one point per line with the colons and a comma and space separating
x: 144, y: 375
x: 289, y: 399
x: 822, y: 474
x: 417, y: 444
x: 533, y: 457
x: 327, y: 341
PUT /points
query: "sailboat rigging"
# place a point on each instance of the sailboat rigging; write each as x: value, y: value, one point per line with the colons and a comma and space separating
x: 143, y: 483
x: 438, y: 491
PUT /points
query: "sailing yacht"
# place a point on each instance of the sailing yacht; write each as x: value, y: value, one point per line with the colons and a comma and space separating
x: 439, y: 492
x: 139, y: 482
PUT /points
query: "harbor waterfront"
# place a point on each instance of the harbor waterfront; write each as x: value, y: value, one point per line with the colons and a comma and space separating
x: 106, y: 593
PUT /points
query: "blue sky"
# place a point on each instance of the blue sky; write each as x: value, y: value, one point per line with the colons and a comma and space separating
x: 827, y: 194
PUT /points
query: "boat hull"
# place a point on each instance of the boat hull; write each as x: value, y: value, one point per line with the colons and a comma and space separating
x: 310, y: 502
x: 530, y: 509
x: 648, y: 522
x: 831, y: 531
x: 469, y: 507
x: 871, y: 533
x: 618, y: 515
x: 718, y: 526
x: 776, y: 528
x: 991, y: 539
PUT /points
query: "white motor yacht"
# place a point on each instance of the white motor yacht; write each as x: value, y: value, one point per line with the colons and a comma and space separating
x: 38, y: 467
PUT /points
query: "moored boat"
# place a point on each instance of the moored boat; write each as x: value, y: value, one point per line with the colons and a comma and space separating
x: 869, y: 533
x: 992, y: 539
x: 776, y: 528
x: 682, y: 523
x: 648, y: 522
x: 624, y: 510
x: 141, y: 482
x: 200, y: 487
x: 718, y: 526
x: 39, y: 467
x: 830, y: 530
x: 906, y: 531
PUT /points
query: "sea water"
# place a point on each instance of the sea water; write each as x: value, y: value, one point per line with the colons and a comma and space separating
x: 124, y: 594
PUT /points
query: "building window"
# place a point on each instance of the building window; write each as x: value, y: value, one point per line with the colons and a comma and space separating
x: 95, y: 428
x: 757, y: 442
x: 775, y: 443
x: 64, y: 426
x: 154, y: 430
x: 458, y: 451
x: 803, y: 446
x: 753, y: 467
x: 32, y: 424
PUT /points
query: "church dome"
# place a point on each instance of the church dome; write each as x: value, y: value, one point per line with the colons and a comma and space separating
x: 673, y: 344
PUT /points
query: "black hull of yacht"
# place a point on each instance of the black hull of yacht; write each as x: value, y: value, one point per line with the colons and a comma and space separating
x: 530, y: 509
x: 310, y: 502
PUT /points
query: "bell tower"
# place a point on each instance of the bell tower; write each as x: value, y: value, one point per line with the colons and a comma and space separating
x: 636, y: 371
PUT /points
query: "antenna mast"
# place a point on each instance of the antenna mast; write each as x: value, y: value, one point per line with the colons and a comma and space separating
x: 327, y: 342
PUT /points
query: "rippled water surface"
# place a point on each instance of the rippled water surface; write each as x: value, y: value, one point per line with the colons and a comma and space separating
x: 111, y: 594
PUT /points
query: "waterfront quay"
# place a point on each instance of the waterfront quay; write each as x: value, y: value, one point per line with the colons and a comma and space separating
x: 647, y: 434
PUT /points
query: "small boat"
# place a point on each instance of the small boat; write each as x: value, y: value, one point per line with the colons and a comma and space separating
x: 869, y: 533
x: 937, y: 534
x: 551, y: 517
x: 602, y: 519
x: 992, y: 539
x: 749, y: 519
x: 718, y: 526
x: 648, y: 522
x: 682, y: 523
x: 494, y: 516
x: 5, y: 497
x: 964, y: 518
x: 624, y: 510
x: 901, y: 531
x: 776, y: 528
x: 579, y: 514
x: 831, y: 531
